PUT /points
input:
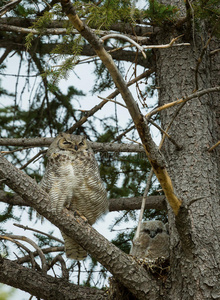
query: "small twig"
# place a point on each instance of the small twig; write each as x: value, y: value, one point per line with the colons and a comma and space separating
x: 116, y: 102
x: 33, y: 158
x: 214, y: 51
x: 13, y: 151
x: 26, y: 258
x: 30, y: 256
x: 9, y: 6
x: 133, y: 141
x: 32, y: 243
x: 118, y: 138
x: 38, y: 231
x: 59, y: 258
x: 167, y: 135
x: 214, y: 146
x: 183, y: 100
x: 126, y: 38
x: 167, y: 45
x: 112, y: 95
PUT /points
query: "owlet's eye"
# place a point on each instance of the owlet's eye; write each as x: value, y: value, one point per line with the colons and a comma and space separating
x: 81, y: 143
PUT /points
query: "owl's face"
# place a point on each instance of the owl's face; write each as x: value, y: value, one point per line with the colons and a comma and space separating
x: 153, y: 228
x: 69, y: 143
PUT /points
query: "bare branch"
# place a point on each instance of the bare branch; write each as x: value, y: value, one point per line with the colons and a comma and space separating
x: 63, y: 31
x: 171, y: 44
x: 126, y: 38
x: 183, y: 100
x: 38, y: 231
x: 111, y: 96
x: 214, y: 146
x: 27, y: 258
x: 9, y: 6
x: 167, y: 135
x: 115, y: 204
x: 32, y: 243
x: 97, y: 147
x: 116, y: 102
x: 51, y: 288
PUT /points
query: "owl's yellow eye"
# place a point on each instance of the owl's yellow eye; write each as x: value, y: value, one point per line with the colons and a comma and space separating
x: 81, y: 144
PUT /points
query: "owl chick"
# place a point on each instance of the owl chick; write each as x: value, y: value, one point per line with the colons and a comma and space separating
x: 153, y: 241
x: 72, y: 179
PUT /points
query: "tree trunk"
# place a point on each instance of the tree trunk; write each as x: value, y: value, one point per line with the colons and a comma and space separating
x: 195, y: 233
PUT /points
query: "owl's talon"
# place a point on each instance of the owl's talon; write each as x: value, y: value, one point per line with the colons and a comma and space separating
x: 78, y: 214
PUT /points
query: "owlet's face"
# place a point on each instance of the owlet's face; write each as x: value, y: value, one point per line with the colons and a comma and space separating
x: 68, y: 143
x: 153, y: 228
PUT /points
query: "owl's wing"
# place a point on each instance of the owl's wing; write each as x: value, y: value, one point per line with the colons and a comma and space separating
x: 90, y: 196
x: 57, y: 184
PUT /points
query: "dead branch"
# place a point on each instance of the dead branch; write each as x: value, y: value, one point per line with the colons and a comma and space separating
x: 214, y: 146
x: 38, y: 231
x: 115, y: 204
x: 30, y: 280
x: 59, y: 258
x: 111, y: 96
x: 62, y: 31
x: 126, y: 38
x: 27, y: 258
x: 113, y: 101
x: 32, y: 243
x: 33, y: 158
x: 119, y: 137
x: 171, y: 44
x: 9, y: 6
x: 183, y: 100
x: 167, y: 135
x: 97, y: 147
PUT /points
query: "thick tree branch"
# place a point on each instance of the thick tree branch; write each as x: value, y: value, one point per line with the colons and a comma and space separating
x: 44, y: 286
x: 97, y: 147
x: 17, y: 43
x: 63, y: 31
x: 154, y: 156
x: 117, y: 262
x: 115, y: 204
x: 143, y: 32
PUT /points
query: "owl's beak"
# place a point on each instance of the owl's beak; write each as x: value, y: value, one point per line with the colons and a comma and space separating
x: 76, y: 147
x: 152, y: 234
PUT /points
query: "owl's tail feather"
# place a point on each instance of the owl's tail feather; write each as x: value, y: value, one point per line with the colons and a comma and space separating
x: 72, y: 249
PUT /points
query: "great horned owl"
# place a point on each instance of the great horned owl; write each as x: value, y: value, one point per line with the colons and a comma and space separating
x: 72, y: 179
x: 153, y: 241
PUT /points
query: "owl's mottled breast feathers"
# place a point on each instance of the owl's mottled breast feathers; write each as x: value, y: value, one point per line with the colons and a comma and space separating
x: 72, y: 179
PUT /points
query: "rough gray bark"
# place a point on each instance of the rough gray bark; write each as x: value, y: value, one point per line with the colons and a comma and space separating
x: 195, y: 235
x: 44, y: 286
